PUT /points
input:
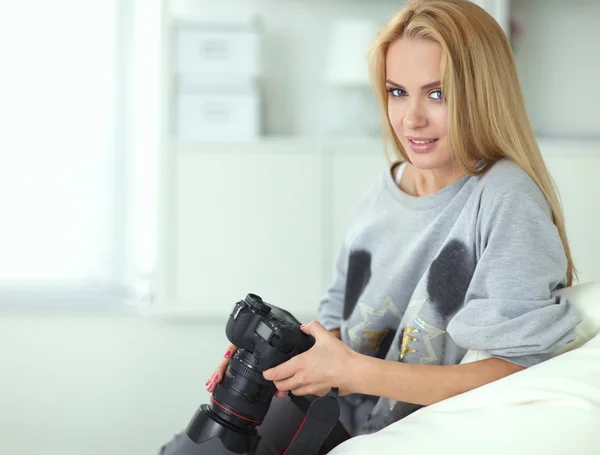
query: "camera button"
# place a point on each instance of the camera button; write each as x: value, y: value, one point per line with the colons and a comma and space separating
x: 274, y: 340
x: 286, y: 349
x: 260, y: 307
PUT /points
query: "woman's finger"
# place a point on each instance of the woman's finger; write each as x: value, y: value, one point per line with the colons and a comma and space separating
x: 280, y: 393
x: 227, y: 355
x: 285, y: 370
x: 215, y: 379
x: 224, y: 363
x: 219, y: 373
x: 230, y: 351
x: 310, y: 390
x: 292, y: 383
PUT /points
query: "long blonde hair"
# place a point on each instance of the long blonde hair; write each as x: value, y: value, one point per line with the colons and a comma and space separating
x: 486, y: 109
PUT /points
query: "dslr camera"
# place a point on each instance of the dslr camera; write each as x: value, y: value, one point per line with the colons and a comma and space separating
x: 266, y: 336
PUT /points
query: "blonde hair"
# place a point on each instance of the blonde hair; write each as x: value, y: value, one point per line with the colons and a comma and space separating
x: 487, y: 118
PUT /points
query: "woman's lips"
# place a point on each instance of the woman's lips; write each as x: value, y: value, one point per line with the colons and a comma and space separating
x: 419, y: 145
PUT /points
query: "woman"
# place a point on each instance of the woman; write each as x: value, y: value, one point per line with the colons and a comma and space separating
x: 457, y: 247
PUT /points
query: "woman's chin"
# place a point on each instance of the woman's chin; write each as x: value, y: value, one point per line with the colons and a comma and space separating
x: 426, y: 161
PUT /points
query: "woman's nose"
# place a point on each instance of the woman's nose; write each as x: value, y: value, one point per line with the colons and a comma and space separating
x: 415, y: 117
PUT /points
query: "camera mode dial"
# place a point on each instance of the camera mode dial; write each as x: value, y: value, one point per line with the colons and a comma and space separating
x: 256, y: 302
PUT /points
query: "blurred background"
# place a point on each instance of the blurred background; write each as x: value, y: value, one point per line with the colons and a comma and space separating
x: 159, y: 159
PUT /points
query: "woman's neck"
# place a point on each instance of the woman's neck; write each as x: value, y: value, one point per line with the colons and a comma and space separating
x: 425, y: 182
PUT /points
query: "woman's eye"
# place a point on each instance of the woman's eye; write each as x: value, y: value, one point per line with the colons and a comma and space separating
x: 436, y: 95
x: 396, y: 92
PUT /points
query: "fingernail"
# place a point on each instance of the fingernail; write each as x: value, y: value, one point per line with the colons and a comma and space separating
x: 227, y: 353
x: 302, y: 326
x: 215, y: 377
x: 207, y: 382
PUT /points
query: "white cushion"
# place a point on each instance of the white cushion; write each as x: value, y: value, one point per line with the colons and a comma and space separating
x: 552, y: 408
x: 586, y: 298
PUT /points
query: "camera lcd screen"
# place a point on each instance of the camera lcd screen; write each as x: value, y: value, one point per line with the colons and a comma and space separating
x: 263, y: 330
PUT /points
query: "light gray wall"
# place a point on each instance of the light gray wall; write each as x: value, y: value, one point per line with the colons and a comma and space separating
x: 557, y: 57
x: 81, y: 382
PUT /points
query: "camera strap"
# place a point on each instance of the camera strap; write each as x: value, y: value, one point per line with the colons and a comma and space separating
x: 321, y: 418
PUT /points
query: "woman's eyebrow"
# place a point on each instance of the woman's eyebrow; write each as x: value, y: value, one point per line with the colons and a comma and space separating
x: 428, y: 86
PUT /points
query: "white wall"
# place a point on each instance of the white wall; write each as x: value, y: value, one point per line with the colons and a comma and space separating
x: 75, y: 383
x: 271, y: 224
x: 557, y: 57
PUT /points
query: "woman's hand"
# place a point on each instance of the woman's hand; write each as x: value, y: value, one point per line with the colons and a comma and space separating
x: 327, y: 364
x: 337, y: 333
x: 218, y: 374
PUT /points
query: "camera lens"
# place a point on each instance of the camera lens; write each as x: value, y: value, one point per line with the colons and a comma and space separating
x: 243, y: 397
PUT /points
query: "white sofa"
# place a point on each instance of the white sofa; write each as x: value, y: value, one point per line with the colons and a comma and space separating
x: 551, y: 408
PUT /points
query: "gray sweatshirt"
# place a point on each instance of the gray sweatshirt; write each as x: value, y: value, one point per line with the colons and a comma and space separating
x: 424, y: 279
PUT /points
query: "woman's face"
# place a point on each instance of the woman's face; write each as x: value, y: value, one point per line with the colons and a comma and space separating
x: 416, y: 106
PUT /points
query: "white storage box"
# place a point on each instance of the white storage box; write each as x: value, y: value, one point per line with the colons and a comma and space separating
x: 216, y: 49
x: 217, y: 115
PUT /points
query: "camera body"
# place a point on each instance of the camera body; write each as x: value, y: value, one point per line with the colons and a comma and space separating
x: 265, y: 336
x: 268, y: 332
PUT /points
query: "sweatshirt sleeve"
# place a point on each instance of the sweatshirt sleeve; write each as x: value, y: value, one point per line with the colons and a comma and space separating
x: 509, y: 309
x: 331, y: 306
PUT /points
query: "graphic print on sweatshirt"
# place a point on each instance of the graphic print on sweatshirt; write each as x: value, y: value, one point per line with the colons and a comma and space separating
x: 377, y: 342
x: 358, y: 276
x: 426, y: 318
x: 421, y: 336
x: 386, y: 328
